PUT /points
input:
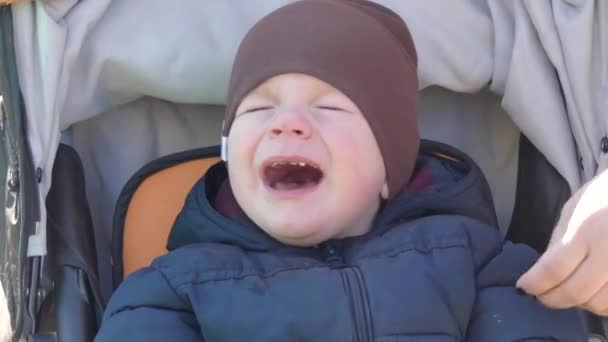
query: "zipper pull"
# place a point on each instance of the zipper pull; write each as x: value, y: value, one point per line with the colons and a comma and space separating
x: 333, y: 254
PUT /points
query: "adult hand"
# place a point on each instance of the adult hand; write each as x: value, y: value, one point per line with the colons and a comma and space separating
x: 574, y: 269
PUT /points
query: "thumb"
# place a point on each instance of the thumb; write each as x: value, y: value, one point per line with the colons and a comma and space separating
x: 554, y: 267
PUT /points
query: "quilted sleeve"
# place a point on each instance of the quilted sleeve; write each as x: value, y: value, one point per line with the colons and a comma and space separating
x: 146, y: 308
x: 503, y: 313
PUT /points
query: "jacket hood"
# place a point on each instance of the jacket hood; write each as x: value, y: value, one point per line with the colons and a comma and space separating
x: 445, y: 182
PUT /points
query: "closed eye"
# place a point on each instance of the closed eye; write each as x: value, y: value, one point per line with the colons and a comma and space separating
x: 254, y: 109
x: 332, y: 108
x: 257, y: 109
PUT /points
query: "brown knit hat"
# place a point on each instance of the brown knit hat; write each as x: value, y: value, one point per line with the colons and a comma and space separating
x: 361, y: 48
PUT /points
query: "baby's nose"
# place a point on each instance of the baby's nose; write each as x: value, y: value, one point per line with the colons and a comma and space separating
x: 291, y: 124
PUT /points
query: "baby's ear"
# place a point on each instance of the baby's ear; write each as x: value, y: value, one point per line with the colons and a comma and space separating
x: 384, y: 193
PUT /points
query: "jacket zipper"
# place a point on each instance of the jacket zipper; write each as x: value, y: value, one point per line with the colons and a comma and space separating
x: 355, y: 288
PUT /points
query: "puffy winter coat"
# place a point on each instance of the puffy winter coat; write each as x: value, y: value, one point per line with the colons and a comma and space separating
x: 433, y: 268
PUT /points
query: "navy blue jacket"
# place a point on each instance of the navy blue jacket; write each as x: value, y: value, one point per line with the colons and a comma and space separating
x: 433, y: 268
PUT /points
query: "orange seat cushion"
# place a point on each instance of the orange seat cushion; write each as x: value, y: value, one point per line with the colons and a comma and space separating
x: 153, y: 209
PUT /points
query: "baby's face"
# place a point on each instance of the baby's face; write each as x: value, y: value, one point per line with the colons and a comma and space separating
x: 303, y: 162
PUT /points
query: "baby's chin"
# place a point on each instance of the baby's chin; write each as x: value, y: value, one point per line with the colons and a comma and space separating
x: 301, y: 235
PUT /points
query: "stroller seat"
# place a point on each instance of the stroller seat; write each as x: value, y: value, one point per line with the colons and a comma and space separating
x: 148, y: 205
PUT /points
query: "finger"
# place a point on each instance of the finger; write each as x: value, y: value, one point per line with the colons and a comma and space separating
x: 598, y: 304
x: 554, y: 267
x: 588, y: 279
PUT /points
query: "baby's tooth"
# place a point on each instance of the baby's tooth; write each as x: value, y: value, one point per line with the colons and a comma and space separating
x: 301, y: 164
x: 275, y: 164
x: 293, y: 163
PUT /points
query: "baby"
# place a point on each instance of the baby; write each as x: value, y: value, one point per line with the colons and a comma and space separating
x: 328, y: 219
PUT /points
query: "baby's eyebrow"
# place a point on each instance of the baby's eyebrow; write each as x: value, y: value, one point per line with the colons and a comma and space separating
x: 336, y: 96
x: 258, y: 96
x: 264, y: 92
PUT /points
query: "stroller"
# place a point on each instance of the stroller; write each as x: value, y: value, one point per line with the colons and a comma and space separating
x: 111, y: 110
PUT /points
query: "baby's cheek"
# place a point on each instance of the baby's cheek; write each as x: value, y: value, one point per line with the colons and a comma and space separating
x: 240, y: 155
x: 343, y: 141
x: 242, y: 142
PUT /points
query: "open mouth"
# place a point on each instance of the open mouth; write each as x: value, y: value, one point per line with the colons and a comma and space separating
x: 290, y: 175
